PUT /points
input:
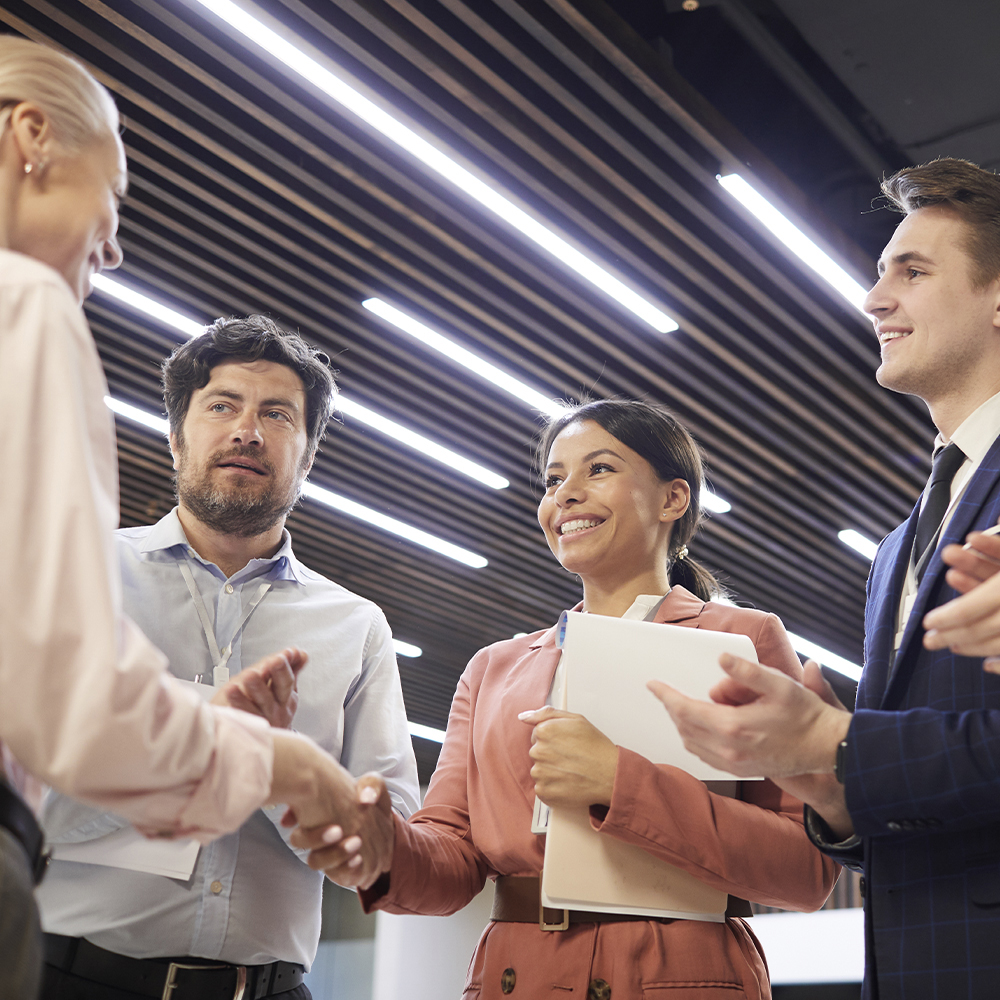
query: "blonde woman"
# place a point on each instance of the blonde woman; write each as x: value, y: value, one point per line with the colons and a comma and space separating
x: 84, y: 701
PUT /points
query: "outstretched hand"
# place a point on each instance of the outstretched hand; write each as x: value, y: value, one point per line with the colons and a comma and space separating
x: 269, y: 688
x: 970, y: 624
x: 574, y: 762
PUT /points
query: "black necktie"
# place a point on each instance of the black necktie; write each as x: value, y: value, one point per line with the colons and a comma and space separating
x: 946, y: 464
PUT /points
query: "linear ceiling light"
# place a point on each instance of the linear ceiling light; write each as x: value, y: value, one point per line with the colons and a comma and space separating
x: 420, y: 443
x: 144, y: 304
x: 711, y: 501
x: 426, y: 732
x: 535, y: 399
x: 334, y: 500
x: 296, y: 60
x: 406, y: 648
x: 796, y: 240
x: 411, y: 439
x: 393, y: 526
x: 825, y: 657
x: 858, y: 542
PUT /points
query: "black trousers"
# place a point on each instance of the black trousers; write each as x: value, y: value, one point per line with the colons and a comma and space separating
x: 20, y: 933
x: 59, y: 985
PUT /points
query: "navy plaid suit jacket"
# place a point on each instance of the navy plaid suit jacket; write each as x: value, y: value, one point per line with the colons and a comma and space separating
x: 922, y: 780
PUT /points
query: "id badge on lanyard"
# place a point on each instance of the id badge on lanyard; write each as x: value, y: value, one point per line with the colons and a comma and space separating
x: 220, y: 657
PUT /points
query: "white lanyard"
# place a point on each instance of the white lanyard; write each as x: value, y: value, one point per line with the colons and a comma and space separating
x: 220, y: 658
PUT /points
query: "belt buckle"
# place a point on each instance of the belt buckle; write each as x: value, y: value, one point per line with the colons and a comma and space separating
x: 542, y: 923
x: 171, y: 981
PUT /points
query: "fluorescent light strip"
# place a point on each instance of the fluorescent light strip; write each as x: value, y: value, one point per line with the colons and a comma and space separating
x: 518, y: 389
x: 714, y: 503
x: 393, y: 526
x: 420, y: 443
x: 334, y: 500
x: 825, y: 657
x: 858, y: 542
x: 283, y: 50
x: 796, y: 240
x: 411, y: 439
x: 406, y: 648
x: 426, y: 732
x: 431, y: 338
x: 137, y: 416
x: 144, y: 304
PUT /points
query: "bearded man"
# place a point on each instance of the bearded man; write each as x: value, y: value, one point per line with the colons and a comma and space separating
x: 215, y: 584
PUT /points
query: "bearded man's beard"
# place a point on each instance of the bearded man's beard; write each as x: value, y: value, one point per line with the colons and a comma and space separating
x: 241, y: 509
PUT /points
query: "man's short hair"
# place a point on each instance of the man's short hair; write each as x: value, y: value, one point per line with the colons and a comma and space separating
x: 972, y: 193
x: 249, y: 338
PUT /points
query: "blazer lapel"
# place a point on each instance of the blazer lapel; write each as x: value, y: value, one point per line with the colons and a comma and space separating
x: 984, y: 481
x: 680, y: 607
x: 888, y: 577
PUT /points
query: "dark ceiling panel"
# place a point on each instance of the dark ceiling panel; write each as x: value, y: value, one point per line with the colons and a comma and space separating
x: 253, y: 192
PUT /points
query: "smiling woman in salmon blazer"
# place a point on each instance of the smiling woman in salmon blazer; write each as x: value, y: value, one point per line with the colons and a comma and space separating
x: 623, y: 481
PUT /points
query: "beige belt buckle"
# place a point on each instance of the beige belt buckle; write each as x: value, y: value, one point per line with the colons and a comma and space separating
x: 171, y: 983
x: 542, y: 924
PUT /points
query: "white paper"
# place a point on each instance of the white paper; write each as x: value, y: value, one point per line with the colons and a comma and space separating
x: 127, y: 848
x: 607, y: 662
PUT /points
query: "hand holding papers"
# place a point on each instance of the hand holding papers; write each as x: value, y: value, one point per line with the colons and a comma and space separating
x: 607, y: 662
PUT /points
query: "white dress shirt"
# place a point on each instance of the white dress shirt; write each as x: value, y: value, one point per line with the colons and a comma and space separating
x: 85, y: 702
x: 975, y: 436
x: 251, y: 898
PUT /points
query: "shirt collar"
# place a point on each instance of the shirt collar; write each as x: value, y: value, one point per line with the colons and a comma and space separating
x: 677, y: 606
x: 977, y: 431
x: 168, y: 533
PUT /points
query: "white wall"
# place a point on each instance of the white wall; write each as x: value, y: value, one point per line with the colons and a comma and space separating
x: 823, y: 947
x: 426, y: 958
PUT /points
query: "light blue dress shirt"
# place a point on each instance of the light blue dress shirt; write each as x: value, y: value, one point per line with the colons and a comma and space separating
x: 251, y: 899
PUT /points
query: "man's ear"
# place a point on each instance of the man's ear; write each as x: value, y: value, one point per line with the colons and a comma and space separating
x: 309, y: 463
x: 175, y: 449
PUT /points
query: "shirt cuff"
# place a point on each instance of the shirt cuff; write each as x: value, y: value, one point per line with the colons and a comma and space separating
x: 823, y: 837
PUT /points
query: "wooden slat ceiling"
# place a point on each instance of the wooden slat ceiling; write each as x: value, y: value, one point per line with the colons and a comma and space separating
x: 251, y: 192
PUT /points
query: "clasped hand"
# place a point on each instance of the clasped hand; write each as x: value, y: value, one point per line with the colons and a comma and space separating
x: 574, y: 762
x: 358, y: 848
x: 346, y: 824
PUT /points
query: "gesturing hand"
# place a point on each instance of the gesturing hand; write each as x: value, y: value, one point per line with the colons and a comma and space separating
x: 268, y: 688
x: 356, y: 860
x: 574, y: 761
x: 970, y: 625
x: 777, y: 728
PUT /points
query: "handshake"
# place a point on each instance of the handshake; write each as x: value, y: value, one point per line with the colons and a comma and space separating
x: 346, y: 824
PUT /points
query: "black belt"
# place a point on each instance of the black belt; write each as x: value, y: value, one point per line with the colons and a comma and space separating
x: 20, y: 820
x: 517, y: 898
x: 170, y: 979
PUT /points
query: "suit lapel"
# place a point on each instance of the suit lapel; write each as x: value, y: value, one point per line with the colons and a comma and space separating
x: 885, y: 587
x: 968, y: 509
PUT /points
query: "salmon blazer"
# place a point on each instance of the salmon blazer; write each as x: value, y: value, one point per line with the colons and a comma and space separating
x: 476, y: 824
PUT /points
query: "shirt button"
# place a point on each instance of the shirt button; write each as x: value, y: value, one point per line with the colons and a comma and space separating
x: 507, y: 981
x: 216, y: 887
x: 229, y: 588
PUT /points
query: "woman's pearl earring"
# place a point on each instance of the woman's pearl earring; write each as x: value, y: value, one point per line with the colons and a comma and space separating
x: 28, y: 168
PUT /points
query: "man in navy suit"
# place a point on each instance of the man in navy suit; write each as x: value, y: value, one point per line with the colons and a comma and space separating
x: 907, y: 789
